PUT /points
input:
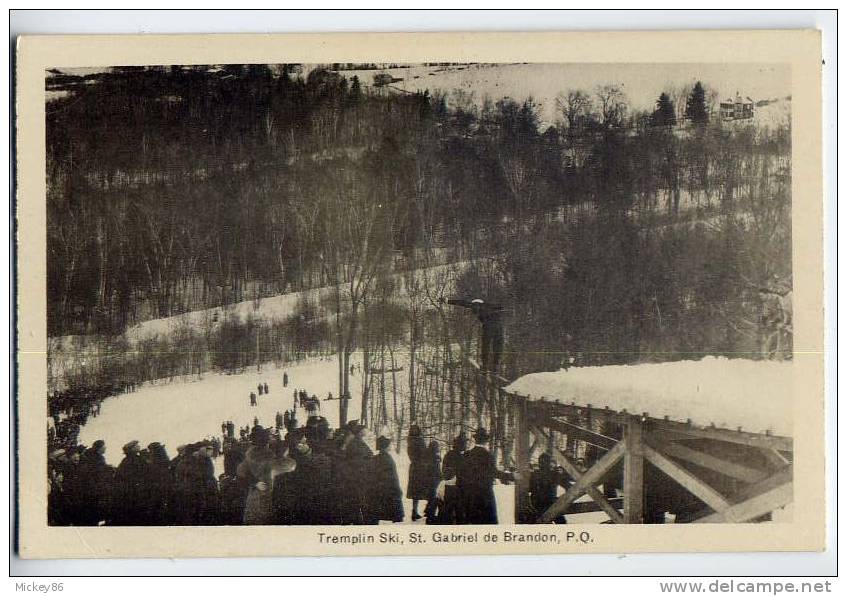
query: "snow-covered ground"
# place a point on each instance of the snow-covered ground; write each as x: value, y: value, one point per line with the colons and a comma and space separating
x: 752, y: 394
x: 278, y: 308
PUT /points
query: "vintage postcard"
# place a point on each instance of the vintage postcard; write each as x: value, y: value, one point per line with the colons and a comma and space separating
x: 419, y: 294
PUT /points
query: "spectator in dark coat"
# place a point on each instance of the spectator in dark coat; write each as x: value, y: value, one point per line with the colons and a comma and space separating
x: 452, y: 511
x: 354, y: 475
x: 204, y: 487
x: 419, y: 487
x: 160, y: 485
x: 544, y: 486
x: 233, y: 490
x: 305, y: 496
x: 96, y: 478
x: 476, y: 482
x: 131, y: 502
x: 73, y: 504
x: 385, y: 497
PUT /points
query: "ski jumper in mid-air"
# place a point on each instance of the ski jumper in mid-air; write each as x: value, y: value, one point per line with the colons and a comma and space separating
x: 491, y: 317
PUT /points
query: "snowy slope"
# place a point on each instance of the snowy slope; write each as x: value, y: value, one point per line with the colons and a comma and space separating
x: 274, y: 308
x: 755, y: 395
x: 184, y: 412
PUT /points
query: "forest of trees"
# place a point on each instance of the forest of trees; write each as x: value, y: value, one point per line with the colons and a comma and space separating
x: 613, y: 236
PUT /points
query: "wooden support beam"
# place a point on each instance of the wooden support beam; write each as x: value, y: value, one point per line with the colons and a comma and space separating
x: 710, y: 462
x: 593, y: 506
x: 633, y: 472
x: 780, y: 478
x: 570, y: 467
x: 522, y: 432
x: 580, y: 433
x: 723, y: 434
x: 752, y: 508
x: 686, y: 479
x: 589, y: 479
x: 775, y: 458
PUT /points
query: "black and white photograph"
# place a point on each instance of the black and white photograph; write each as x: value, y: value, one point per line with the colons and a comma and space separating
x: 409, y: 294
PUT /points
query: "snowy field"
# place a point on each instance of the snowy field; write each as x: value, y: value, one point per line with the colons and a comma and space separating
x: 752, y: 394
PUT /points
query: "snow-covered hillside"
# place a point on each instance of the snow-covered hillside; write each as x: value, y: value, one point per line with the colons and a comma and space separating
x: 277, y: 308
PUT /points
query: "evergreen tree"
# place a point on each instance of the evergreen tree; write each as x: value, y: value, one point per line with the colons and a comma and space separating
x: 664, y: 114
x: 695, y: 108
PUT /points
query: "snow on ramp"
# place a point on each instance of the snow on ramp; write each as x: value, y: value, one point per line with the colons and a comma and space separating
x: 755, y: 395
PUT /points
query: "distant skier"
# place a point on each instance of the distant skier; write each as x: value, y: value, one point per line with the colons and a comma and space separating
x: 265, y: 387
x: 252, y: 399
x: 278, y: 420
x: 491, y: 317
x: 259, y: 388
x: 329, y: 396
x: 285, y: 379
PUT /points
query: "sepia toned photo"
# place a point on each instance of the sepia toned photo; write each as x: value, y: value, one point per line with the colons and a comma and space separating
x: 423, y: 303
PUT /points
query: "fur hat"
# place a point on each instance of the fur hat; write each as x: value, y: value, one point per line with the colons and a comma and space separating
x: 382, y: 443
x: 131, y: 447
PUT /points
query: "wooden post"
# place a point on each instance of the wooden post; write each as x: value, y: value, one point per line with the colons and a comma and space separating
x: 633, y: 472
x: 518, y: 403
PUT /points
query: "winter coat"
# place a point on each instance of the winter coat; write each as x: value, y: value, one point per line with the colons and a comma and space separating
x: 385, y: 497
x: 260, y: 466
x: 543, y: 490
x: 476, y: 486
x: 161, y: 485
x: 195, y: 496
x: 353, y: 477
x: 131, y: 497
x: 451, y: 511
x: 304, y: 497
x: 420, y: 470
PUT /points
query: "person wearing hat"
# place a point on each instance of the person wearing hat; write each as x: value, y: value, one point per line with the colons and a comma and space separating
x: 258, y: 471
x: 353, y: 474
x: 305, y: 496
x: 476, y: 481
x: 160, y: 484
x: 96, y: 478
x: 130, y: 506
x: 385, y: 497
x: 452, y: 512
x: 419, y: 485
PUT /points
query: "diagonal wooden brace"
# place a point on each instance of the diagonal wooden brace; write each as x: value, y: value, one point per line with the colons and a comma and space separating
x: 691, y: 483
x: 589, y: 479
x: 574, y: 472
